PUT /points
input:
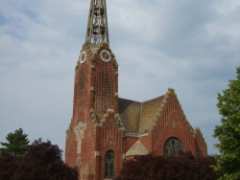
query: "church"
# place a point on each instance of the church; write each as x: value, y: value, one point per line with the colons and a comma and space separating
x: 106, y: 129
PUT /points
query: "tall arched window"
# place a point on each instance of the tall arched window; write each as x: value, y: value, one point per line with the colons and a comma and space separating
x: 172, y: 147
x: 109, y: 164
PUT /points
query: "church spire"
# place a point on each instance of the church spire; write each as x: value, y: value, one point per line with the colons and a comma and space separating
x: 97, y: 30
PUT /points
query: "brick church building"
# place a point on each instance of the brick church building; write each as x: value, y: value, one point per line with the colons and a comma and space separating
x: 106, y: 129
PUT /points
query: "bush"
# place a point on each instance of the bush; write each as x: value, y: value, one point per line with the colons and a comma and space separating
x: 182, y: 167
x: 41, y: 161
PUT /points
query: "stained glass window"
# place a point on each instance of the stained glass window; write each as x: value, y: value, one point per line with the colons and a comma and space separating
x: 172, y: 147
x: 109, y: 164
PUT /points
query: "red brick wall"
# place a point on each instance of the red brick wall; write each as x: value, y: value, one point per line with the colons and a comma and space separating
x: 71, y: 149
x: 200, y: 144
x: 95, y: 90
x: 82, y: 92
x: 88, y: 157
x: 110, y: 138
x: 105, y: 86
x: 173, y: 123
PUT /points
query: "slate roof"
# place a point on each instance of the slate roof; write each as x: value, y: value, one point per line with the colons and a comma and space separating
x: 139, y: 117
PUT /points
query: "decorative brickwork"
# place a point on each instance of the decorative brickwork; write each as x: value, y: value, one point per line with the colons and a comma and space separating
x: 103, y: 123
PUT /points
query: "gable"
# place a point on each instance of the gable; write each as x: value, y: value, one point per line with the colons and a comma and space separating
x: 175, y: 115
x: 139, y: 117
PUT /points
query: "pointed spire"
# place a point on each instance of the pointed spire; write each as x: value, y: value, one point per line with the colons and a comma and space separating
x: 97, y: 30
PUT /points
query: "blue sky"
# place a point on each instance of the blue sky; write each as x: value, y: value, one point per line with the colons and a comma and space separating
x: 191, y: 46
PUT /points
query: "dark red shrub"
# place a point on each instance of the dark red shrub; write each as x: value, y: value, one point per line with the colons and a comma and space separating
x: 182, y: 167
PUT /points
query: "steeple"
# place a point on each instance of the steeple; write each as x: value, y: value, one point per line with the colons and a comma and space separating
x: 97, y: 29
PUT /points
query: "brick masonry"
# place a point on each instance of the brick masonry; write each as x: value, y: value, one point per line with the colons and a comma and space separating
x: 96, y: 126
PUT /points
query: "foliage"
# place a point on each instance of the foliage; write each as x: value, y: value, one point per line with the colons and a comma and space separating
x: 16, y: 144
x: 184, y: 167
x: 228, y: 132
x: 8, y: 165
x: 42, y: 161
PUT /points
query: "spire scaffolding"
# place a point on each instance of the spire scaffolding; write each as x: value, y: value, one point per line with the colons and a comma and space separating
x: 97, y: 30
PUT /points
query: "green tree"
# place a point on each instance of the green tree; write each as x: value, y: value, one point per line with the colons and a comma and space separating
x: 228, y: 132
x: 16, y: 144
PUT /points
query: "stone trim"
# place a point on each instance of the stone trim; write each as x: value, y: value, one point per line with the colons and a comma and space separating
x: 134, y: 134
x: 79, y: 132
x: 97, y: 153
x: 119, y: 122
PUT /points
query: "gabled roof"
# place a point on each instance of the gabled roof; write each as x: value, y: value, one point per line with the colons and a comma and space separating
x: 137, y: 149
x: 139, y: 117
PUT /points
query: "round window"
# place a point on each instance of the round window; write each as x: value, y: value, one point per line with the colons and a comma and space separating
x: 105, y: 55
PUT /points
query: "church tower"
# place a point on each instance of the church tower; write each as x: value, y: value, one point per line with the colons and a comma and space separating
x: 105, y: 130
x: 94, y: 138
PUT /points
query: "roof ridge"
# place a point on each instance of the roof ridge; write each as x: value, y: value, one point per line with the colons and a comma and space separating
x: 129, y: 100
x: 142, y: 102
x: 158, y: 97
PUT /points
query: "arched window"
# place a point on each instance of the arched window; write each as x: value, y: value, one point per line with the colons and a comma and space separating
x: 172, y: 147
x: 109, y: 164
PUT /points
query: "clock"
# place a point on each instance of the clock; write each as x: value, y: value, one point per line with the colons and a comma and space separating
x: 105, y: 55
x: 83, y: 57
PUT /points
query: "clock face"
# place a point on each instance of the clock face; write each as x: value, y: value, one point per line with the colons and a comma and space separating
x: 83, y: 57
x: 105, y: 55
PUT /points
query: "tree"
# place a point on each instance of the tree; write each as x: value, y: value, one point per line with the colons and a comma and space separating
x: 228, y: 132
x: 184, y: 167
x: 16, y: 144
x: 8, y: 165
x: 42, y: 161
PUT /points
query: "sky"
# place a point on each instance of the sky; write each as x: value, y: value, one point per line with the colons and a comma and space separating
x: 191, y: 46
